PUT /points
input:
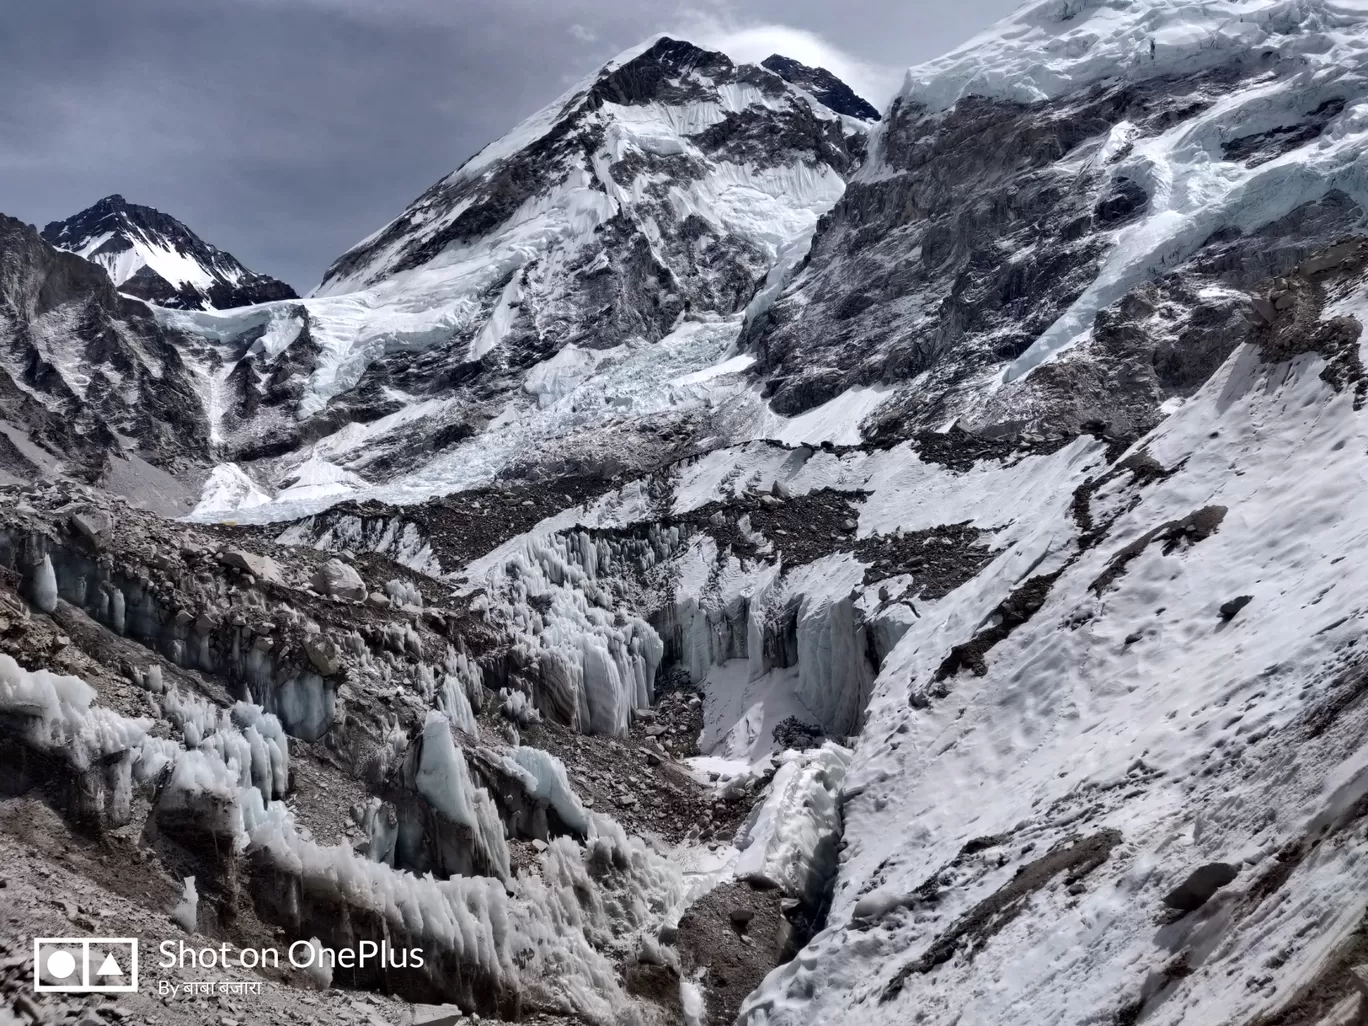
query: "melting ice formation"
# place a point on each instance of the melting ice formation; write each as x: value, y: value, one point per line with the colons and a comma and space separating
x: 238, y: 759
x: 789, y: 840
x: 535, y: 939
x: 539, y: 938
x: 597, y: 663
x: 443, y: 779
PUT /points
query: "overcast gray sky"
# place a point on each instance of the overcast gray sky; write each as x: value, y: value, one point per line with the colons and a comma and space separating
x: 286, y: 130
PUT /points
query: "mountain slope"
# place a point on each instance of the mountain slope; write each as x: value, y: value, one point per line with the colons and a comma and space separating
x: 634, y: 219
x: 1004, y: 667
x: 1118, y: 776
x: 154, y: 257
x: 91, y: 384
x: 1082, y: 194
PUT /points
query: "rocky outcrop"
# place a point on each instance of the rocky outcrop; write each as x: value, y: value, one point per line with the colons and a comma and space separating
x: 88, y: 376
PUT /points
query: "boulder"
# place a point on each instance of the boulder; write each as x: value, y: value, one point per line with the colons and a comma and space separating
x: 438, y: 1015
x: 323, y: 654
x: 263, y: 568
x: 1201, y: 884
x: 94, y: 525
x: 1229, y: 609
x: 338, y: 579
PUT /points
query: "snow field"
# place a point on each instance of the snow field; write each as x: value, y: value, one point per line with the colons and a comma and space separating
x: 1136, y: 709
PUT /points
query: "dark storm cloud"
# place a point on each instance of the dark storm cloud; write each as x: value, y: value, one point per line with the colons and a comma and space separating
x: 286, y: 130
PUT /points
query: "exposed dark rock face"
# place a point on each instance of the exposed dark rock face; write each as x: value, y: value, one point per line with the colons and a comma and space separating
x: 977, y: 227
x: 823, y: 85
x: 87, y: 375
x: 1262, y: 147
x: 1075, y: 859
x: 111, y: 232
x: 1200, y: 885
x: 1287, y: 315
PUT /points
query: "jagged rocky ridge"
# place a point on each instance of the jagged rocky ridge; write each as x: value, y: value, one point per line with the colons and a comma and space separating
x: 829, y: 89
x: 153, y: 256
x: 91, y: 384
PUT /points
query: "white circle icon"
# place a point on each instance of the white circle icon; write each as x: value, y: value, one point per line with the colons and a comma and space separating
x: 61, y: 964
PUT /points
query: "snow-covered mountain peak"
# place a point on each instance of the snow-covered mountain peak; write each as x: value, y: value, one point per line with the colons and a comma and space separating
x: 822, y: 84
x: 667, y: 111
x: 624, y: 233
x: 153, y: 256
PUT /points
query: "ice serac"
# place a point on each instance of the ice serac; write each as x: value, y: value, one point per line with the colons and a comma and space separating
x: 1057, y: 221
x: 790, y: 839
x: 153, y: 256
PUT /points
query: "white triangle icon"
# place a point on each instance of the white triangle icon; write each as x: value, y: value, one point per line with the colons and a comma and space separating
x: 109, y: 967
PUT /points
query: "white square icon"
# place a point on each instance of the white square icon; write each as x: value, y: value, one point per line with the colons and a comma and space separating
x: 85, y: 965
